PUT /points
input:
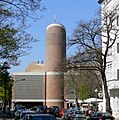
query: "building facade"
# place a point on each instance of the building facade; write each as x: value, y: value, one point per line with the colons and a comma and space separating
x: 44, y: 83
x: 28, y: 89
x: 112, y: 66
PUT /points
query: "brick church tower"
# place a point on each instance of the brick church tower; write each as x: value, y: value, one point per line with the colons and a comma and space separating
x: 55, y: 57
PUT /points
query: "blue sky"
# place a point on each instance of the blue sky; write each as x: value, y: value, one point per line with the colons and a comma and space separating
x: 67, y: 12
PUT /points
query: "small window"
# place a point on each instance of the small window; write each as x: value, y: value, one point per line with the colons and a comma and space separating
x: 109, y: 52
x: 117, y: 20
x: 117, y: 73
x: 117, y: 47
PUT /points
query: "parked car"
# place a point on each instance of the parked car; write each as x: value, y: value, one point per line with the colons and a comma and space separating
x: 54, y: 107
x: 17, y: 114
x: 40, y: 117
x: 19, y: 107
x: 27, y: 112
x: 67, y: 113
x: 61, y: 112
x: 54, y: 110
x: 78, y: 115
x: 39, y: 109
x: 101, y: 116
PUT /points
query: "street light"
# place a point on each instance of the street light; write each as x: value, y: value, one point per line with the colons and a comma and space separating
x: 19, y: 80
x: 45, y: 87
x: 5, y: 66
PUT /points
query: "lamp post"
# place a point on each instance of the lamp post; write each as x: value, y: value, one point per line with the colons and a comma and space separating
x: 45, y: 86
x: 18, y: 81
x: 5, y: 66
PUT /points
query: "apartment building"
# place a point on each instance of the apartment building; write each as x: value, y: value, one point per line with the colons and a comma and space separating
x: 112, y: 67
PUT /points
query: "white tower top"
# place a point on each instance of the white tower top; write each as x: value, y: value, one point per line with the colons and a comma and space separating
x: 55, y: 24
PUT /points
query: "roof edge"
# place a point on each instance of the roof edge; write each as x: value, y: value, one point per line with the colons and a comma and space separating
x: 55, y: 24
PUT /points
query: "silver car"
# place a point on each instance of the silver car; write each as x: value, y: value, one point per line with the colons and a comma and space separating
x: 67, y: 113
x: 78, y: 115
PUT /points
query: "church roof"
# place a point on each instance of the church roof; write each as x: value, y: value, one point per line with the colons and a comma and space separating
x: 35, y: 67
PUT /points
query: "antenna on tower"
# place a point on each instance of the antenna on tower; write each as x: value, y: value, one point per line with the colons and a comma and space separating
x: 54, y: 18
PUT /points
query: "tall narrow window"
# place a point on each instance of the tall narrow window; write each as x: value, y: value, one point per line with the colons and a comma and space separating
x: 117, y: 73
x: 117, y: 20
x: 117, y: 47
x: 110, y: 51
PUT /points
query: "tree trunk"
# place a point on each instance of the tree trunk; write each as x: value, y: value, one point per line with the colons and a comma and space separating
x: 77, y: 104
x: 108, y: 107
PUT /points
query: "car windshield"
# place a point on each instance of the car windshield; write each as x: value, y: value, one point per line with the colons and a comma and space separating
x: 106, y: 114
x: 96, y: 114
x: 66, y: 111
x: 79, y: 112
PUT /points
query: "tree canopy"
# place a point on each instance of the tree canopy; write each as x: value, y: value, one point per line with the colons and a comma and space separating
x: 4, y: 75
x: 14, y: 40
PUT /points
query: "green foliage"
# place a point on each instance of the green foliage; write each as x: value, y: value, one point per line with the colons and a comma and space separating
x: 81, y: 84
x: 1, y: 93
x: 83, y: 92
x: 7, y: 41
x: 5, y: 76
x: 14, y: 40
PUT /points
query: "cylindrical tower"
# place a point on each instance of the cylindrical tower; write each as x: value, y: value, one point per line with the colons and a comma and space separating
x: 55, y: 57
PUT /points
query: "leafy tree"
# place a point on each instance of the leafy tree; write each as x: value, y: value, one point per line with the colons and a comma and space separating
x: 14, y: 40
x: 1, y: 93
x: 83, y: 92
x: 80, y: 84
x: 4, y: 76
x: 13, y: 43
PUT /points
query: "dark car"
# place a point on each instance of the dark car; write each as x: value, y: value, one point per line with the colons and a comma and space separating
x: 18, y: 113
x: 101, y: 116
x: 19, y: 107
x: 54, y: 110
x: 39, y: 109
x: 24, y: 113
x: 67, y: 113
x: 40, y: 117
x: 78, y: 115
